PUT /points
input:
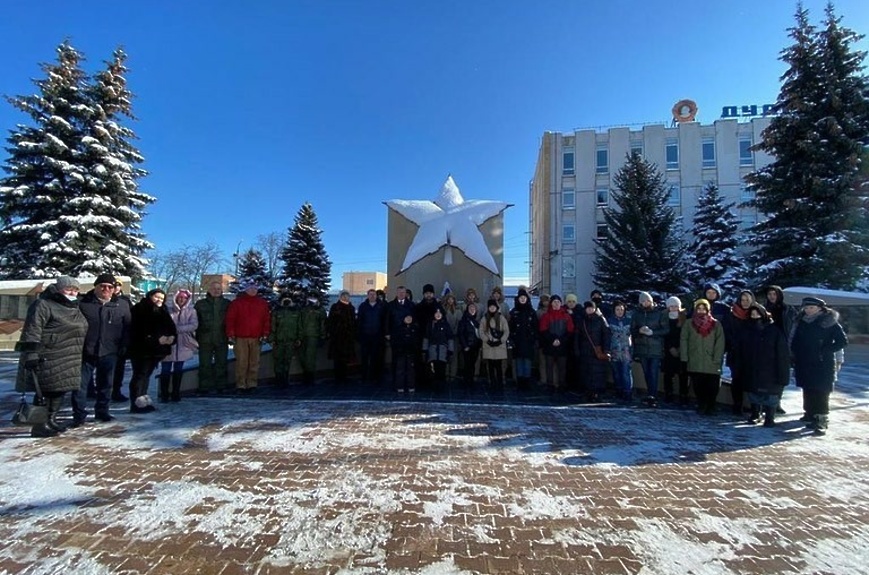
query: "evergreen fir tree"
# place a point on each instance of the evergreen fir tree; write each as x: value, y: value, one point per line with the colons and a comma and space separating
x: 70, y: 203
x: 306, y: 266
x: 252, y: 268
x: 713, y: 256
x: 46, y: 178
x: 642, y: 249
x: 815, y: 232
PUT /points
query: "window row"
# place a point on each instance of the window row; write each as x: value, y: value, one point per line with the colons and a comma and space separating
x: 568, y: 197
x: 671, y: 155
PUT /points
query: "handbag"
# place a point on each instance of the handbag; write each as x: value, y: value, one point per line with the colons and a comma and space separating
x: 599, y: 353
x: 28, y: 414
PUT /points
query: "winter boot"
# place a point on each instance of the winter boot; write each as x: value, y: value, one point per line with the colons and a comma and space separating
x: 164, y: 386
x: 754, y: 416
x: 769, y: 417
x: 821, y: 422
x: 54, y: 404
x: 176, y: 385
x: 42, y: 430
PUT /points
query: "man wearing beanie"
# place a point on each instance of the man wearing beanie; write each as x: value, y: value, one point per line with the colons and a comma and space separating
x: 107, y: 338
x: 648, y: 327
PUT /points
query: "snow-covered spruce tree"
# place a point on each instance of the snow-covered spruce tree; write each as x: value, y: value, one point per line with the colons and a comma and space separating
x: 642, y: 249
x: 306, y: 266
x: 42, y: 223
x: 815, y: 227
x: 114, y: 203
x: 70, y: 204
x: 712, y: 255
x: 252, y: 268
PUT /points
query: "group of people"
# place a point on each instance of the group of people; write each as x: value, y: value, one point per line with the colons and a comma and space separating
x: 71, y: 342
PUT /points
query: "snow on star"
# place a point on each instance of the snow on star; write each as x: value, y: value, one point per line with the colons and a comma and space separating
x: 450, y: 221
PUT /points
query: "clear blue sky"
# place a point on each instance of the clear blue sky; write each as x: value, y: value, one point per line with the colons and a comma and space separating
x: 248, y: 109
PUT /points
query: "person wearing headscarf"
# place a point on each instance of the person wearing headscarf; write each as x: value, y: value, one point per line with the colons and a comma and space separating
x: 702, y: 348
x: 51, y: 344
x: 817, y: 336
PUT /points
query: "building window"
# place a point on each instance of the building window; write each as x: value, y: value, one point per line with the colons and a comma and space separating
x: 568, y: 233
x: 568, y: 199
x: 746, y: 194
x: 708, y: 152
x: 746, y: 157
x: 568, y: 268
x: 603, y: 197
x: 567, y: 162
x: 603, y: 161
x: 637, y: 147
x: 369, y: 282
x: 602, y: 230
x: 674, y: 198
x: 672, y: 154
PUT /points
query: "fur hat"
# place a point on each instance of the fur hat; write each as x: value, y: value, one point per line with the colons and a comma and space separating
x: 645, y: 297
x: 64, y: 282
x: 571, y: 297
x: 104, y: 279
x: 428, y: 288
x: 814, y: 301
x: 492, y: 302
x: 673, y: 300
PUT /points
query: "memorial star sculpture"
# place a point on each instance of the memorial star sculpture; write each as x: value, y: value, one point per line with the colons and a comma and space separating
x: 449, y: 220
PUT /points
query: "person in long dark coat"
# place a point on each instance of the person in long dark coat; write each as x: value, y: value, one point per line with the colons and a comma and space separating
x: 438, y: 346
x: 468, y: 338
x: 734, y: 328
x: 765, y: 364
x: 816, y: 337
x: 342, y: 330
x: 592, y: 330
x: 524, y: 331
x: 51, y: 344
x: 152, y: 333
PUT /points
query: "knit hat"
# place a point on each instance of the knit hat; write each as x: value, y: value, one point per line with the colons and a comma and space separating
x: 183, y: 292
x: 589, y: 304
x: 491, y: 302
x: 555, y: 297
x: 521, y: 292
x: 343, y: 293
x: 701, y: 301
x: 814, y: 301
x: 427, y: 288
x: 104, y: 279
x: 64, y: 282
x: 645, y: 297
x: 673, y: 300
x: 571, y: 297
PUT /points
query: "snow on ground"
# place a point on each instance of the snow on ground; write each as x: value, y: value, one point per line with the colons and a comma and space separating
x: 328, y: 480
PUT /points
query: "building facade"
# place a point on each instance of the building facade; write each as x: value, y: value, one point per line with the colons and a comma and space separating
x: 573, y: 184
x: 358, y: 283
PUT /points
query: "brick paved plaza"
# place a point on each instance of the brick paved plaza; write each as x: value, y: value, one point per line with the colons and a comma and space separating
x: 262, y: 485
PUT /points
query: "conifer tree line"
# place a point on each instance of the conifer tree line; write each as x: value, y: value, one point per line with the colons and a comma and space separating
x: 812, y: 199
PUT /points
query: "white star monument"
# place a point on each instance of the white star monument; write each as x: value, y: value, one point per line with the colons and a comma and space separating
x: 449, y: 220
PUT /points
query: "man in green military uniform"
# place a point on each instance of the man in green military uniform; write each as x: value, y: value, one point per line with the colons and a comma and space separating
x: 285, y: 338
x: 313, y: 332
x: 211, y: 336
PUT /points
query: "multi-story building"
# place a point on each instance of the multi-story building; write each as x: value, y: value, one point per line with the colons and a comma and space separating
x: 358, y: 283
x: 573, y: 184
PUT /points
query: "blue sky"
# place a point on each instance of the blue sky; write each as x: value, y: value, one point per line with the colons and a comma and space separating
x: 248, y: 109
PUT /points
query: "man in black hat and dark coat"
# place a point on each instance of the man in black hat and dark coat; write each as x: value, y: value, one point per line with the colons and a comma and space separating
x: 423, y: 314
x: 107, y: 337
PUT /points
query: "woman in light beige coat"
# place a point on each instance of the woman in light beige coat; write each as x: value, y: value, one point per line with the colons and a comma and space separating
x: 495, y: 329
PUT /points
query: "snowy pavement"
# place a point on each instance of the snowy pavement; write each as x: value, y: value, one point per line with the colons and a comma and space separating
x: 224, y: 485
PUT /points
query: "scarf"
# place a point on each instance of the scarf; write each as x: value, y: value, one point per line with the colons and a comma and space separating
x: 703, y: 324
x: 739, y: 311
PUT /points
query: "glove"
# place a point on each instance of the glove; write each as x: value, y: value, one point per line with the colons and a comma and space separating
x: 646, y: 330
x: 230, y: 340
x: 494, y: 342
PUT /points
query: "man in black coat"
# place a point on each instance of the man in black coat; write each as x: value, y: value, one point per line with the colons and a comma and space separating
x: 107, y: 337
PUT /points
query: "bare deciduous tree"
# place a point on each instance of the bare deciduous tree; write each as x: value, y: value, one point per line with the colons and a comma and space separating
x: 185, y: 266
x: 270, y: 246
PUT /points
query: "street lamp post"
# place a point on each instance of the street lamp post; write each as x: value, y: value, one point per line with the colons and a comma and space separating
x: 237, y: 256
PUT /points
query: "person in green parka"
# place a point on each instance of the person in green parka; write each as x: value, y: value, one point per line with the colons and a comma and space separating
x: 211, y: 336
x: 702, y: 347
x: 286, y: 338
x: 313, y: 332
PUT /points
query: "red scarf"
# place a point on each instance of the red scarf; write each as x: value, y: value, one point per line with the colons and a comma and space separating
x: 739, y: 311
x: 703, y: 324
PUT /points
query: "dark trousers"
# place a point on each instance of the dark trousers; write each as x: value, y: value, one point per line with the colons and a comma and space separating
x: 143, y: 367
x: 212, y: 366
x: 118, y: 379
x: 674, y: 368
x: 816, y: 402
x: 737, y: 391
x: 495, y: 370
x: 706, y: 386
x: 469, y: 364
x: 556, y: 371
x: 404, y: 372
x: 104, y: 369
x: 651, y: 371
x: 371, y: 357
